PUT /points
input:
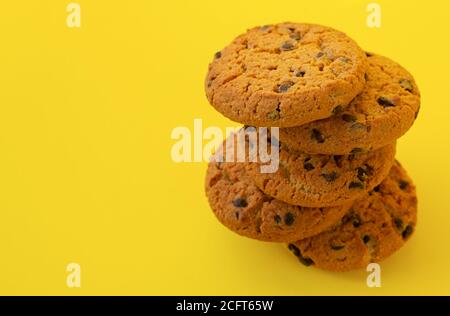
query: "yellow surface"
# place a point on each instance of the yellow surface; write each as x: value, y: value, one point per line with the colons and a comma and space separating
x: 86, y: 174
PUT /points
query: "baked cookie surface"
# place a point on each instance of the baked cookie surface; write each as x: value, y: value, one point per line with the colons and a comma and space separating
x: 374, y: 228
x: 382, y: 113
x: 285, y: 75
x: 323, y: 180
x: 243, y: 208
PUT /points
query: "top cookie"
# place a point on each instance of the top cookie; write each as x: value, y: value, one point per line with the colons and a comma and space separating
x: 285, y: 75
x: 383, y: 112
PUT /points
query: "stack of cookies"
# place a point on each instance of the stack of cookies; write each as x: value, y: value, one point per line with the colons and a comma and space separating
x: 338, y: 198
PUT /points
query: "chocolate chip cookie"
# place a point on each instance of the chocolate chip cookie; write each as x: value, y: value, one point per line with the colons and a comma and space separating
x: 242, y: 207
x: 285, y: 75
x: 374, y: 228
x: 323, y: 180
x: 382, y: 113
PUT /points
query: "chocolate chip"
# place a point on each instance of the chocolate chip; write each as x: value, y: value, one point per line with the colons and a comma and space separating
x: 398, y: 223
x: 319, y: 54
x: 289, y: 218
x: 295, y: 36
x: 300, y: 73
x: 217, y: 55
x: 240, y: 202
x: 362, y: 173
x: 277, y: 219
x: 284, y: 87
x: 338, y: 160
x: 306, y: 261
x: 369, y: 169
x: 338, y: 109
x: 294, y: 249
x: 336, y: 246
x: 355, y: 219
x: 237, y: 215
x: 344, y: 59
x: 358, y: 125
x: 406, y: 84
x: 356, y: 185
x: 356, y: 150
x: 330, y: 177
x: 274, y: 115
x: 385, y: 102
x: 402, y: 184
x: 407, y: 232
x: 376, y: 189
x: 366, y: 239
x: 308, y: 166
x: 317, y: 135
x: 287, y: 46
x: 369, y: 54
x: 348, y: 118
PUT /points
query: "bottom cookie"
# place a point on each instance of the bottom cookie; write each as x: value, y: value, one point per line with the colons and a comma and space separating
x: 373, y: 229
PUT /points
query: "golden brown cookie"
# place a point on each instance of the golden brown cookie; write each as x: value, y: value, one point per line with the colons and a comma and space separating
x: 374, y: 229
x: 323, y: 180
x: 382, y: 113
x: 285, y: 75
x: 243, y: 208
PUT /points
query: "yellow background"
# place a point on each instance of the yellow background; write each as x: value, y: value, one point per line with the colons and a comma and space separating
x: 86, y: 174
